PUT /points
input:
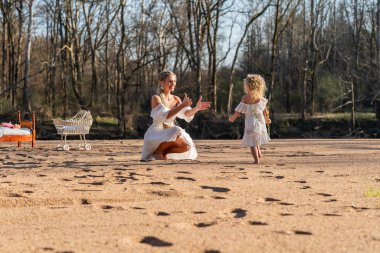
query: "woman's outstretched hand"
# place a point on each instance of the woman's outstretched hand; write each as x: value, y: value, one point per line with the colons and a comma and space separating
x: 202, y: 105
x: 186, y: 101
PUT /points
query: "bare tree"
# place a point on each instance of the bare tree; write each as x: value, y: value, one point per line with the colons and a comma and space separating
x: 190, y: 34
x: 284, y: 13
x: 12, y: 15
x: 317, y: 50
x: 247, y: 26
x: 354, y: 12
x: 26, y: 93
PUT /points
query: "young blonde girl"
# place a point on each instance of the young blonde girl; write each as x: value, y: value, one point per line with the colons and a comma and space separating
x: 253, y: 105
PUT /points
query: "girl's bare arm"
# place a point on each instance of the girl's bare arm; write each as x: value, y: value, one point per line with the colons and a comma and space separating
x: 233, y: 117
x: 266, y: 116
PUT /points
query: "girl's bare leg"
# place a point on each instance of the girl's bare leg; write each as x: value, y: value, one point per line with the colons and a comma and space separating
x: 255, y: 154
x: 259, y: 152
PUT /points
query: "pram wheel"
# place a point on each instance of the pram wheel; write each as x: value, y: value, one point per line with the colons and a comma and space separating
x: 66, y: 147
x: 87, y: 147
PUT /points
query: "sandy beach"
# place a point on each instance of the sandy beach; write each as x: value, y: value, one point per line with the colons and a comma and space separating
x: 306, y: 196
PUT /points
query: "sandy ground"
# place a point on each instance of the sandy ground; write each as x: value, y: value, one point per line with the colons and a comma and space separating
x: 305, y: 196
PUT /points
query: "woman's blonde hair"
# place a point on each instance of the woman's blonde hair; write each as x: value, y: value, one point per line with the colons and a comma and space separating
x: 161, y: 78
x: 255, y: 86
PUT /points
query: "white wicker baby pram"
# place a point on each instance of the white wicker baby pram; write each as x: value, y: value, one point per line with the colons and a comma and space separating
x: 80, y: 125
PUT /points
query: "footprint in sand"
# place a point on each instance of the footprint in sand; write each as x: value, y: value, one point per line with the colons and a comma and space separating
x: 212, y: 251
x: 305, y: 187
x: 341, y: 175
x: 84, y: 176
x: 48, y: 249
x: 85, y: 190
x: 163, y: 214
x: 218, y: 197
x: 215, y: 189
x: 94, y: 183
x: 199, y: 212
x: 331, y: 200
x: 121, y: 179
x: 239, y: 213
x: 94, y: 176
x: 108, y: 207
x: 184, y: 172
x: 204, y: 224
x: 172, y: 193
x: 88, y: 170
x: 269, y: 199
x: 186, y: 178
x: 266, y: 172
x: 286, y: 204
x: 158, y: 183
x: 258, y: 223
x: 131, y: 176
x: 85, y: 202
x: 301, y: 181
x: 286, y: 214
x: 279, y: 177
x: 324, y: 194
x: 121, y: 169
x: 27, y: 191
x: 14, y: 195
x: 155, y: 242
x: 300, y: 232
x: 137, y: 208
x: 331, y: 214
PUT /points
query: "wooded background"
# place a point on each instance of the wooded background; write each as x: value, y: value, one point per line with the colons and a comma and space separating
x: 316, y: 55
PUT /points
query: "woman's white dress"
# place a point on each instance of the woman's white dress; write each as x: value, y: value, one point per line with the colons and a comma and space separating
x: 255, y: 130
x: 157, y: 133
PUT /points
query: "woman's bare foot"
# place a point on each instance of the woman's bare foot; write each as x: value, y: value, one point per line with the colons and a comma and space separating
x: 256, y: 162
x: 159, y: 156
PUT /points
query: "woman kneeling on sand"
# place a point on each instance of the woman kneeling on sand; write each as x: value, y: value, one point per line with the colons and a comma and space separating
x: 163, y: 139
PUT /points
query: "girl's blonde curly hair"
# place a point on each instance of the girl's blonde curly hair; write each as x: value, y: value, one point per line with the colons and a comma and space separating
x: 255, y: 86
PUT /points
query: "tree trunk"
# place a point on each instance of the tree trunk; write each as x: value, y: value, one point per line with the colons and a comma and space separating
x: 353, y: 85
x: 26, y: 95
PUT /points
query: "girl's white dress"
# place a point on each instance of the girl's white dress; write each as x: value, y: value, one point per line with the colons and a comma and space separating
x: 255, y: 130
x: 157, y: 133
